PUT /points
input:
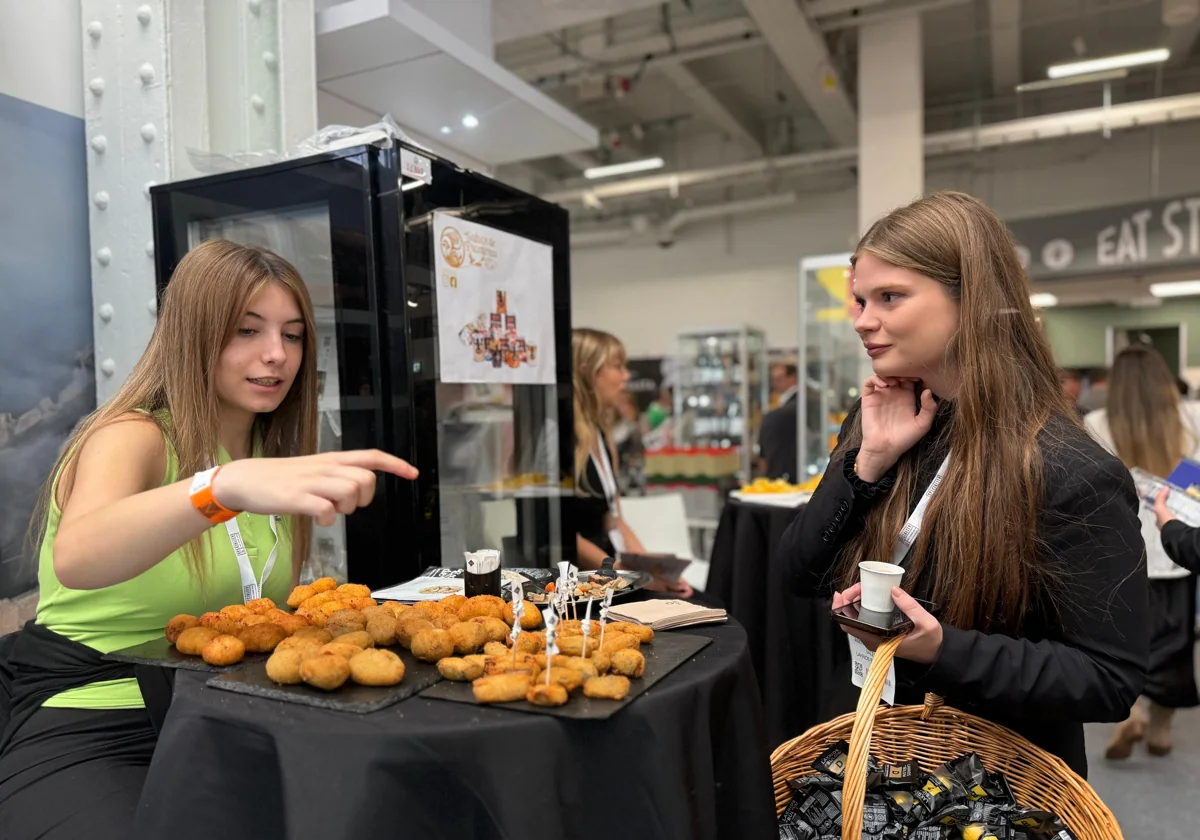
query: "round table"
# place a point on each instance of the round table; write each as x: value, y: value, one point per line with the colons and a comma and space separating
x: 687, y: 759
x: 794, y: 644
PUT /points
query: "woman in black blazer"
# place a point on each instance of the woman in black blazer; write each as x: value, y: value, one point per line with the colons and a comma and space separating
x: 1030, y: 545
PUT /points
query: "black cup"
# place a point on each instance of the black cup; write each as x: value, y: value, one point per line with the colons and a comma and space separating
x: 485, y: 584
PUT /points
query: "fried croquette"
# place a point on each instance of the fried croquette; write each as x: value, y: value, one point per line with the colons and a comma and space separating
x: 284, y: 665
x: 314, y: 617
x: 558, y: 660
x: 460, y: 670
x: 495, y: 648
x: 291, y: 624
x: 192, y: 640
x: 223, y: 650
x: 431, y: 609
x: 376, y: 667
x: 210, y: 619
x: 446, y: 620
x: 507, y: 663
x: 570, y: 627
x: 531, y: 619
x: 453, y: 602
x: 330, y: 607
x: 342, y: 649
x: 629, y: 663
x: 482, y: 605
x: 531, y: 642
x: 260, y: 606
x: 326, y: 672
x: 614, y: 642
x: 178, y: 624
x: 409, y: 626
x: 644, y: 634
x: 540, y: 694
x: 396, y: 608
x: 354, y: 590
x: 568, y: 678
x: 500, y: 688
x: 262, y: 638
x: 299, y: 595
x: 432, y: 645
x: 496, y: 630
x: 362, y: 603
x: 606, y: 688
x: 236, y: 611
x: 468, y: 637
x: 585, y: 667
x: 319, y: 633
x: 378, y: 609
x: 346, y: 621
x: 300, y: 643
x: 324, y: 584
x: 251, y: 620
x: 228, y: 627
x: 319, y: 599
x: 602, y: 661
x: 382, y: 627
x: 359, y: 638
x: 573, y: 645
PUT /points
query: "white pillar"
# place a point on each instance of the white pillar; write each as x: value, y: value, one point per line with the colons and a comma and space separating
x: 891, y: 157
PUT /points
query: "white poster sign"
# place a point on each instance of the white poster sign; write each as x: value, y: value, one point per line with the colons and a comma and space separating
x: 495, y: 304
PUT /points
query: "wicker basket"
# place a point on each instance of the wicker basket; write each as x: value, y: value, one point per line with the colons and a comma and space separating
x: 934, y: 734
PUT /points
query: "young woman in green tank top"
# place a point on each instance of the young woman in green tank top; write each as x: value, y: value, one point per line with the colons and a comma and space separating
x: 129, y: 539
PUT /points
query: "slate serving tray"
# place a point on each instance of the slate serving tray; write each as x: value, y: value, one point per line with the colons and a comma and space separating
x: 161, y: 653
x: 667, y: 652
x: 351, y: 697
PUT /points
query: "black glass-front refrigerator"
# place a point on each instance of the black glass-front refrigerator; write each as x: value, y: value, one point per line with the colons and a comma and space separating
x: 492, y: 438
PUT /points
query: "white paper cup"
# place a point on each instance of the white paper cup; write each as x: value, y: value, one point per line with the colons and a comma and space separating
x: 877, y: 581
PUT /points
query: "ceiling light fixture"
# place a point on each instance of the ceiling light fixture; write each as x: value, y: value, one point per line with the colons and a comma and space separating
x: 470, y: 121
x: 1109, y: 62
x: 1178, y: 289
x: 626, y: 168
x: 1042, y: 300
x: 1067, y: 81
x: 445, y: 129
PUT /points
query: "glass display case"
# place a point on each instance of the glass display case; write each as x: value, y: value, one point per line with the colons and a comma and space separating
x: 832, y: 365
x: 360, y: 232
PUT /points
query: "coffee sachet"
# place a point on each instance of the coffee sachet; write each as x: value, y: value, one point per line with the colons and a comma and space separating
x: 901, y: 804
x: 953, y: 814
x: 832, y: 762
x: 930, y: 832
x: 991, y: 813
x: 903, y: 776
x: 818, y: 809
x: 801, y: 785
x: 938, y: 789
x: 976, y: 831
x: 795, y: 831
x: 1039, y: 825
x: 999, y: 790
x: 876, y: 817
x: 968, y: 770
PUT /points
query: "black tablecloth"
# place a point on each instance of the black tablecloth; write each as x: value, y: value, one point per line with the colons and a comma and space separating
x: 688, y: 759
x: 793, y: 643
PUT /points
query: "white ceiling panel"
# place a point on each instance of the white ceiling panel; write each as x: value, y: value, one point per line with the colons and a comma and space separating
x: 515, y: 19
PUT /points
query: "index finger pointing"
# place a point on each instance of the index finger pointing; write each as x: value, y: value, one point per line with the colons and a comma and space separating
x: 375, y: 459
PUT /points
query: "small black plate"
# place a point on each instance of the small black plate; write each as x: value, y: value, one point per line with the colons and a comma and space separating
x: 351, y: 697
x: 161, y: 653
x: 877, y: 623
x: 667, y: 652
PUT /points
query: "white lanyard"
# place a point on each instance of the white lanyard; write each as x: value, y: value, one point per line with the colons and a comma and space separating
x: 608, y: 479
x: 251, y: 588
x: 908, y: 534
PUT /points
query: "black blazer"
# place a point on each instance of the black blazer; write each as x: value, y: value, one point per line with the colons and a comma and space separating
x: 1182, y: 544
x: 1083, y: 651
x: 777, y: 441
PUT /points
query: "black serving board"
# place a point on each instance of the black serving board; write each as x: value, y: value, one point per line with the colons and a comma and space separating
x: 538, y: 578
x: 161, y: 653
x: 351, y: 697
x: 666, y: 653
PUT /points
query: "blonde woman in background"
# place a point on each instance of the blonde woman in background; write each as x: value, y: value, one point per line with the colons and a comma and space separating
x: 1146, y: 425
x: 599, y: 378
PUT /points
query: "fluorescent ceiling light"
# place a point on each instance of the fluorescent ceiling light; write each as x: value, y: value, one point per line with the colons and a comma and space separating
x: 1043, y: 299
x: 1110, y: 62
x: 445, y: 129
x: 412, y: 185
x: 623, y: 168
x: 470, y: 121
x: 1180, y: 289
x: 1081, y: 79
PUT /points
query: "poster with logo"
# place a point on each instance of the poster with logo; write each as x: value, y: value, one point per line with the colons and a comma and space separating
x: 495, y: 304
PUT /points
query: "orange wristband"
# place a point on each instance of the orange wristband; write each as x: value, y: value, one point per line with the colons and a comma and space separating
x: 204, y: 501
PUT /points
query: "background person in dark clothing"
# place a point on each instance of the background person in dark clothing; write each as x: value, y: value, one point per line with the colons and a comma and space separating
x: 1031, y: 544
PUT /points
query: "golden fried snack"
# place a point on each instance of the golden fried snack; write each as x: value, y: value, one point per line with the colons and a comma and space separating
x: 223, y: 650
x: 482, y: 605
x: 303, y: 644
x: 453, y: 602
x: 477, y: 657
x: 284, y: 665
x: 192, y: 640
x: 236, y: 611
x: 570, y: 627
x: 354, y: 590
x: 291, y: 623
x: 558, y: 660
x: 324, y: 584
x: 409, y: 626
x: 362, y: 603
x: 346, y: 621
x: 432, y: 645
x: 446, y: 620
x: 228, y: 627
x: 585, y: 667
x: 497, y: 630
x: 500, y: 688
x: 319, y: 633
x: 396, y: 608
x: 178, y: 624
x: 378, y: 609
x: 260, y: 606
x: 540, y: 694
x: 431, y: 609
x: 505, y: 664
x: 614, y: 642
x: 330, y: 607
x: 495, y: 649
x: 359, y: 638
x: 319, y: 599
x: 602, y: 661
x: 326, y: 671
x: 568, y: 678
x: 382, y: 627
x: 210, y: 619
x: 573, y: 645
x: 251, y: 620
x: 343, y: 649
x: 459, y: 670
x: 644, y: 634
x: 376, y: 667
x: 314, y: 617
x: 468, y: 637
x: 299, y: 595
x: 262, y: 638
x: 629, y: 663
x: 531, y: 642
x: 606, y: 688
x: 531, y: 619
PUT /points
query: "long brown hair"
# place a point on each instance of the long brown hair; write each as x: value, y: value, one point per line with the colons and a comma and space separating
x: 174, y: 381
x: 591, y: 351
x: 982, y: 523
x: 1143, y: 412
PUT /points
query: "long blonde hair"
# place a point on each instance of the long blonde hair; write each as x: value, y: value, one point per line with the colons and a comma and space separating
x: 174, y: 381
x: 591, y: 351
x: 1143, y: 412
x: 982, y: 524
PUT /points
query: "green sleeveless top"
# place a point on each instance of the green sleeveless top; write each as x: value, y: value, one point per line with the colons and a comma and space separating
x: 138, y: 610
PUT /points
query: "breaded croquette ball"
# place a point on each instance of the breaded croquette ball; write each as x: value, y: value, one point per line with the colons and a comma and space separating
x: 228, y: 626
x: 453, y: 602
x: 330, y: 607
x: 251, y: 620
x: 606, y: 688
x: 324, y: 584
x: 644, y: 634
x: 614, y: 642
x: 262, y: 638
x: 396, y: 608
x: 495, y: 649
x: 500, y: 688
x: 359, y: 638
x: 318, y: 633
x: 573, y: 645
x: 346, y: 621
x: 568, y: 678
x: 342, y: 649
x: 468, y: 637
x: 585, y: 667
x: 361, y: 604
x: 382, y: 627
x: 484, y: 605
x: 192, y: 640
x: 432, y: 645
x: 602, y: 661
x: 629, y: 663
x: 178, y: 624
x: 223, y: 650
x: 210, y: 619
x: 236, y: 611
x: 301, y: 643
x: 540, y: 694
x: 376, y: 667
x: 290, y: 623
x: 354, y: 590
x: 409, y: 626
x: 508, y: 662
x: 531, y: 619
x: 478, y: 658
x: 260, y: 606
x: 558, y: 660
x: 531, y: 643
x: 284, y: 665
x: 460, y: 670
x: 570, y: 627
x: 315, y: 617
x: 497, y: 630
x: 326, y: 671
x: 299, y: 595
x: 378, y: 609
x: 446, y: 620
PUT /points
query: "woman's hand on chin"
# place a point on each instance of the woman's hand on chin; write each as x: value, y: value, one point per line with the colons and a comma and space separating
x: 890, y: 424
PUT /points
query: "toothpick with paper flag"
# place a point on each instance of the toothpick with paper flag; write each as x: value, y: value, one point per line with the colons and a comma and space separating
x: 587, y: 626
x: 518, y: 605
x: 551, y: 620
x: 563, y: 588
x: 572, y: 585
x: 604, y: 605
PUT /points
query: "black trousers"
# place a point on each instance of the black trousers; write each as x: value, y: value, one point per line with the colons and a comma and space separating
x: 75, y: 774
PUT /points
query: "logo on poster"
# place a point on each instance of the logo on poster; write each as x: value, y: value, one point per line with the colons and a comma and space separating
x: 453, y: 249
